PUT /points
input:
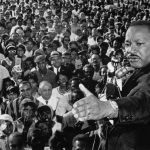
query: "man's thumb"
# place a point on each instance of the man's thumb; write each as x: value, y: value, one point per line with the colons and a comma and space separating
x: 85, y: 90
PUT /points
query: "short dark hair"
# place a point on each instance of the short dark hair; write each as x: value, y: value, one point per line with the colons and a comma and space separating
x: 25, y: 83
x: 140, y: 23
x: 31, y: 76
x: 18, y: 136
x: 22, y: 47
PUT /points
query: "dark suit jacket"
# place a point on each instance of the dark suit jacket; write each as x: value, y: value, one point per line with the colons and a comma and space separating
x: 132, y: 128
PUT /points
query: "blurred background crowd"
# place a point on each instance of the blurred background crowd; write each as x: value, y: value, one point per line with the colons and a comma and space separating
x: 49, y: 47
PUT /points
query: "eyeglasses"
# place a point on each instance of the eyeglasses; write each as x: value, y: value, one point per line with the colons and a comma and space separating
x: 12, y: 51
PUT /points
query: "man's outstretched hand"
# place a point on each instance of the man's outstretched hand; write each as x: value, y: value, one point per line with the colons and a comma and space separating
x: 91, y: 108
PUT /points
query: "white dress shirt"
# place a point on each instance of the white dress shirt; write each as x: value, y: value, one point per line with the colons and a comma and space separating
x: 52, y: 102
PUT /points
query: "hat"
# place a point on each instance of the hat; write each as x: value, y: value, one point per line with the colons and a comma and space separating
x: 55, y: 53
x: 10, y: 47
x: 6, y: 117
x: 39, y: 58
x: 38, y: 52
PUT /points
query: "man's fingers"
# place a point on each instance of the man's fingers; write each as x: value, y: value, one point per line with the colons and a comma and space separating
x: 85, y: 90
x: 79, y: 103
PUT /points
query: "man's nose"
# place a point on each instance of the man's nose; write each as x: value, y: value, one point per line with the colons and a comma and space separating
x: 131, y: 49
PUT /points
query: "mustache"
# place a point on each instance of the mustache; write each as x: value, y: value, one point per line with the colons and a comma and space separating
x: 131, y: 55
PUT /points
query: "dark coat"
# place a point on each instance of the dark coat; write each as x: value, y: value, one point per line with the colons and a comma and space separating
x: 132, y: 128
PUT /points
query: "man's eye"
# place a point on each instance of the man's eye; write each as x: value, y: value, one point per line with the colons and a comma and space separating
x: 127, y: 44
x: 139, y: 44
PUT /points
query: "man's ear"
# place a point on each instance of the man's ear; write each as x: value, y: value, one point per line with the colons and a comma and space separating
x: 39, y: 91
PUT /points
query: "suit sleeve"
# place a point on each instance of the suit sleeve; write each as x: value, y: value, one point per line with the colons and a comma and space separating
x: 135, y: 108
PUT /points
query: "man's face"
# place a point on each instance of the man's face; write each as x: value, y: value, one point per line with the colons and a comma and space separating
x: 37, y: 24
x: 41, y: 65
x: 33, y: 83
x: 20, y: 52
x: 137, y: 45
x: 88, y: 73
x: 50, y: 23
x: 66, y: 40
x: 25, y: 90
x: 15, y: 37
x: 28, y: 113
x: 63, y: 80
x: 95, y: 60
x: 56, y: 61
x: 46, y: 92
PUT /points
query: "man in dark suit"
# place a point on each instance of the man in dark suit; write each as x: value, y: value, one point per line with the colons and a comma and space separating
x: 131, y: 130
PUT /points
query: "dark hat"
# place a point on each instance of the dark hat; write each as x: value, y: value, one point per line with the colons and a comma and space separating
x: 39, y: 58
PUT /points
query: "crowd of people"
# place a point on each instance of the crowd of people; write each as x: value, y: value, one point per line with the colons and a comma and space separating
x: 49, y: 49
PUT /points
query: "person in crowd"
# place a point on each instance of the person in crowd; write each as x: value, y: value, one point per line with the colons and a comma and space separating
x: 9, y: 61
x: 27, y: 110
x: 96, y: 63
x: 88, y: 78
x: 32, y: 78
x: 12, y: 93
x: 56, y: 62
x: 63, y: 81
x: 20, y: 51
x: 17, y: 74
x: 65, y: 42
x: 6, y: 128
x: 29, y: 47
x: 16, y: 141
x: 104, y: 48
x: 42, y: 72
x: 66, y: 62
x: 28, y: 65
x: 44, y: 125
x: 6, y: 83
x: 25, y: 92
x: 45, y: 90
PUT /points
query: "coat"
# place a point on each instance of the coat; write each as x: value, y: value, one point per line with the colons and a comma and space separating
x: 132, y: 127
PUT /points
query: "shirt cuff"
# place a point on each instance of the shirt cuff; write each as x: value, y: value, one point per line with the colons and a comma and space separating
x: 114, y: 113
